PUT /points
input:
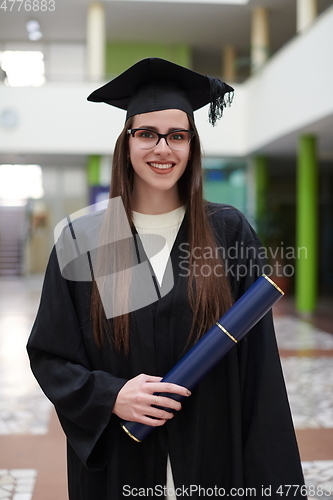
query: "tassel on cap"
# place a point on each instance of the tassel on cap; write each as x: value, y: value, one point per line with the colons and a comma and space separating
x: 221, y: 96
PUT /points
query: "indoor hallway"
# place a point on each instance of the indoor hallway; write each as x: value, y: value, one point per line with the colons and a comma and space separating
x: 32, y: 445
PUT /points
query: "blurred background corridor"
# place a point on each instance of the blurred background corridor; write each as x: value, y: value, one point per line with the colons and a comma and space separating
x: 271, y: 156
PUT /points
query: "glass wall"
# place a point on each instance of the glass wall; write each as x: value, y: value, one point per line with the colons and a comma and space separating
x: 225, y: 182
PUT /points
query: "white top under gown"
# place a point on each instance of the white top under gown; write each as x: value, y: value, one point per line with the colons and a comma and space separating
x: 166, y: 225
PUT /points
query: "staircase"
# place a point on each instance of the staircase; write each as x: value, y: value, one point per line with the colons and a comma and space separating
x: 12, y: 235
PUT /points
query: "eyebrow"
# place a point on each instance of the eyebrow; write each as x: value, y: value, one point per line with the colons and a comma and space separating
x: 155, y: 129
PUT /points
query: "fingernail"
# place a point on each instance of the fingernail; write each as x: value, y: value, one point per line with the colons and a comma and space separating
x: 189, y: 393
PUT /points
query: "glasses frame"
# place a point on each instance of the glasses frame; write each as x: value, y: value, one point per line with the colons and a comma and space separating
x: 132, y: 131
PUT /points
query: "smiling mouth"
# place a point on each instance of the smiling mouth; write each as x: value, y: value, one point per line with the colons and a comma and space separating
x: 161, y: 166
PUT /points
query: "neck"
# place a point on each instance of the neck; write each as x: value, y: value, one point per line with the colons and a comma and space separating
x: 155, y: 202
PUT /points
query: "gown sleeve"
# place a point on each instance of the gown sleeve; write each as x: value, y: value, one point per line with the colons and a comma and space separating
x: 83, y: 396
x: 270, y: 451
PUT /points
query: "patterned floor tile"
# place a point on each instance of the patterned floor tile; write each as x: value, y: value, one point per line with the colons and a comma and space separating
x: 319, y: 479
x: 309, y: 384
x: 17, y: 484
x: 23, y: 407
x: 27, y: 414
x: 295, y: 334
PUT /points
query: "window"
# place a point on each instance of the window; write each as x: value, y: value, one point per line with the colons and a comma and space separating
x: 23, y: 68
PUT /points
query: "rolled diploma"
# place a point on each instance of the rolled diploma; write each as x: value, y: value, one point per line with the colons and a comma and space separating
x: 214, y: 345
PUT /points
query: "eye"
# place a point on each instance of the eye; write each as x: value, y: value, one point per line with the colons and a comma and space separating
x: 178, y: 136
x: 145, y: 134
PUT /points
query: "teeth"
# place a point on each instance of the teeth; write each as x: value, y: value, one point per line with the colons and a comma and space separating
x: 161, y: 166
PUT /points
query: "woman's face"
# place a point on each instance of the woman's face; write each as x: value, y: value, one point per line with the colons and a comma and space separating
x: 161, y: 167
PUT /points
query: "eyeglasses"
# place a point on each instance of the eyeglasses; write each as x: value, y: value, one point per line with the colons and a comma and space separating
x: 148, y: 139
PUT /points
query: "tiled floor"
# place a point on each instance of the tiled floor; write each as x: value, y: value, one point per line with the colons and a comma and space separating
x: 295, y: 334
x: 17, y: 484
x: 309, y: 378
x: 32, y: 458
x: 319, y: 478
x: 307, y: 360
x: 24, y: 408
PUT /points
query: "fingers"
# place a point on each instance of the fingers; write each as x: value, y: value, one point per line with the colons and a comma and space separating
x: 140, y: 410
x: 153, y: 422
x: 155, y: 385
x: 155, y: 406
x: 167, y: 402
x: 169, y: 387
x: 158, y: 413
x: 150, y: 378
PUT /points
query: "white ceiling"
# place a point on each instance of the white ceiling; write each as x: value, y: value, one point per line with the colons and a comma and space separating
x: 287, y: 146
x: 202, y: 24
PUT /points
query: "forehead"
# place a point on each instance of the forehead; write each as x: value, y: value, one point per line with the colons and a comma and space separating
x: 166, y: 119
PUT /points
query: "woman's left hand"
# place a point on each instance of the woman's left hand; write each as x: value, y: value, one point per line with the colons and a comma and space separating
x: 135, y: 399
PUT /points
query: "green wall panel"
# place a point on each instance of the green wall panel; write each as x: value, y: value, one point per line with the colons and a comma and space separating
x: 93, y: 170
x: 122, y: 55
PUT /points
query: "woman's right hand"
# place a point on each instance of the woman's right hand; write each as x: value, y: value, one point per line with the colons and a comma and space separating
x: 135, y: 399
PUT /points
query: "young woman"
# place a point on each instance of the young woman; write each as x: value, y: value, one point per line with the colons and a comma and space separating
x: 233, y: 436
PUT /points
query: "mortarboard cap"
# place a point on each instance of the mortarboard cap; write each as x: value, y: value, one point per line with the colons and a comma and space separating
x: 155, y: 84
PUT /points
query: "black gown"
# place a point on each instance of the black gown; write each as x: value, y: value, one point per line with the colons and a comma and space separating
x: 233, y: 433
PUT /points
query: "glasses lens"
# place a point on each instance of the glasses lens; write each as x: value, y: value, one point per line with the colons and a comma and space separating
x: 179, y: 140
x: 145, y: 139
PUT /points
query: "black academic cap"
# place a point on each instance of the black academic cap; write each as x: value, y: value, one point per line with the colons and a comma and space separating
x: 155, y: 84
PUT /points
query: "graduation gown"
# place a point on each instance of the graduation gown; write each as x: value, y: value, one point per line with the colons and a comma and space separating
x: 233, y: 433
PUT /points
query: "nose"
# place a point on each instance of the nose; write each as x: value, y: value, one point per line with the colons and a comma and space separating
x: 162, y: 146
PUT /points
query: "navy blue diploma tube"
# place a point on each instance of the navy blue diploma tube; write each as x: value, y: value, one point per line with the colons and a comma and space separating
x: 220, y: 338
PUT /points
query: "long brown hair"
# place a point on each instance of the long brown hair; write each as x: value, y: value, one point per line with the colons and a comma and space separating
x: 209, y: 296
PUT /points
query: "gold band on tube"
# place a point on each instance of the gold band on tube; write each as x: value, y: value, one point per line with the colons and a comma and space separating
x: 226, y: 332
x: 272, y: 283
x: 130, y: 435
